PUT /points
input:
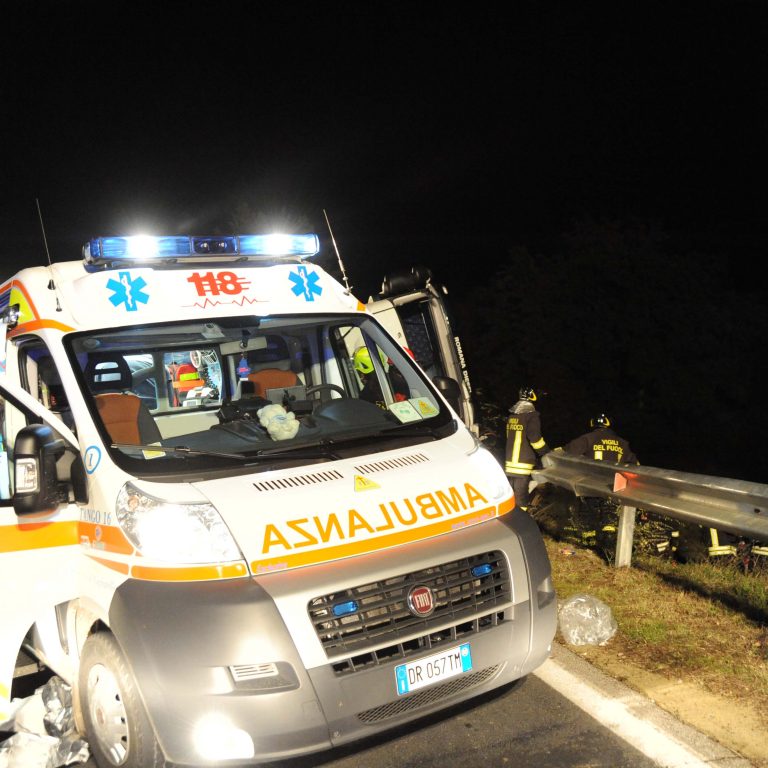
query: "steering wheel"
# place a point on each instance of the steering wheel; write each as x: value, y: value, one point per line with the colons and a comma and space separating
x: 325, y: 387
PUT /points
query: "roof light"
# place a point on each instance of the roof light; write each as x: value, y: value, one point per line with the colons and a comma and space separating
x: 109, y: 251
x: 280, y: 245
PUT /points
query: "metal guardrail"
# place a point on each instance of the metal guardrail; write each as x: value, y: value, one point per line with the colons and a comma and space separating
x: 734, y: 506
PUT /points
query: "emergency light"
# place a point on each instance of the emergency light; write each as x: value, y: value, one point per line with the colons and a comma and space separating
x: 344, y: 609
x: 149, y: 249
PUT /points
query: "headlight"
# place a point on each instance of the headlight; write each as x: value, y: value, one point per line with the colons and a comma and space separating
x: 179, y: 533
x: 498, y: 482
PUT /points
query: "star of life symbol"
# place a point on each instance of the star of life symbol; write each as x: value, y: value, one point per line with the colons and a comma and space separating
x: 305, y: 283
x: 127, y: 291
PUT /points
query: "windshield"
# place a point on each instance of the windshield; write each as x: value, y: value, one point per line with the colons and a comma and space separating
x: 248, y: 391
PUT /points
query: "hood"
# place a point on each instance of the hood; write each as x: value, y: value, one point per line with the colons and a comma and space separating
x: 303, y: 516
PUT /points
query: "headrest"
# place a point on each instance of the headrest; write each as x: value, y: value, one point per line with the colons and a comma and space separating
x: 105, y: 373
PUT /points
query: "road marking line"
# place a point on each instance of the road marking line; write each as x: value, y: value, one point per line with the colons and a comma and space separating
x: 615, y: 714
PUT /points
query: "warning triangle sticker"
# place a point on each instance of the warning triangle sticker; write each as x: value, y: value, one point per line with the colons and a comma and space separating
x: 364, y: 484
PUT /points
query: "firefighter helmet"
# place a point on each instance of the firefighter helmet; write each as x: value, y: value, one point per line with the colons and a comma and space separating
x: 527, y: 393
x: 599, y: 421
x: 363, y: 363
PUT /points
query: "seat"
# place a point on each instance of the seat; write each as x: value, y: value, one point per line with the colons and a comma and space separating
x: 123, y: 413
x: 272, y: 378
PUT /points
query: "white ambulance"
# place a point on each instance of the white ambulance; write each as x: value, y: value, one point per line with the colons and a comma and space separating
x: 237, y: 517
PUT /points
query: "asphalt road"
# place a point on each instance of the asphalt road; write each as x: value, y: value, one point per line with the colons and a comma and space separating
x: 526, y: 726
x: 534, y: 724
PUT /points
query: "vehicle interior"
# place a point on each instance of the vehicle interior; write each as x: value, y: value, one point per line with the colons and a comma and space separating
x: 240, y: 387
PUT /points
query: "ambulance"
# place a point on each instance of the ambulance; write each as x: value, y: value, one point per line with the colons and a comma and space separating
x: 235, y: 545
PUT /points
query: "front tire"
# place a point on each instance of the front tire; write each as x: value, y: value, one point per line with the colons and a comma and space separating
x: 117, y: 728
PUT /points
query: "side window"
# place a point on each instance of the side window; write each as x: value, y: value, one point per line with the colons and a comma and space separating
x: 40, y: 377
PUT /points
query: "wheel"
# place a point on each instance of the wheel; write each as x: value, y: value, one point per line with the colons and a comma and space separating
x: 117, y: 728
x: 325, y: 387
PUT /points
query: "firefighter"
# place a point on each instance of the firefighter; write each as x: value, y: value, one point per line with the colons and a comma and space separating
x: 602, y: 443
x: 595, y: 522
x: 524, y: 444
x: 371, y: 390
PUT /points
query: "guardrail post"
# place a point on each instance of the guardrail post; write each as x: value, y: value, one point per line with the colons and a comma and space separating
x: 625, y: 536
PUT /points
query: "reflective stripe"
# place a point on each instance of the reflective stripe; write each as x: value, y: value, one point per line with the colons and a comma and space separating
x: 518, y: 469
x: 36, y: 325
x: 187, y: 573
x: 108, y: 538
x: 514, y: 458
x: 539, y: 444
x: 725, y: 549
x: 24, y: 536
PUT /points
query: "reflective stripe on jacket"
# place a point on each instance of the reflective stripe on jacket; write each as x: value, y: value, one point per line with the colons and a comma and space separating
x: 524, y: 439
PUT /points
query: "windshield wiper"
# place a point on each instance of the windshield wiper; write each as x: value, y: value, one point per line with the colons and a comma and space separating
x: 178, y: 450
x: 311, y: 451
x: 319, y: 448
x: 419, y: 429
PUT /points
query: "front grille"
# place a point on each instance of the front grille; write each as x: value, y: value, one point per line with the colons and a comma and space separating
x: 381, y: 619
x: 428, y: 696
x: 407, y: 648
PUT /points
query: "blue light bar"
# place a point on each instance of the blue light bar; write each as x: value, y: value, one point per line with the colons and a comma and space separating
x: 138, y: 249
x: 482, y: 570
x: 344, y: 609
x: 279, y: 245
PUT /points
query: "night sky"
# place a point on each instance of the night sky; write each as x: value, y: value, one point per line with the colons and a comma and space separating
x: 538, y: 135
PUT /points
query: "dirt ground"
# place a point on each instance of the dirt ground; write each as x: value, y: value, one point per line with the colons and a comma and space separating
x: 735, y: 724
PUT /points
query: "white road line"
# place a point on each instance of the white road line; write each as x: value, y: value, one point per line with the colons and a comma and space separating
x: 615, y: 714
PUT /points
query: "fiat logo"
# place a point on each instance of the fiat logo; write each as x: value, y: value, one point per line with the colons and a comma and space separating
x: 420, y: 601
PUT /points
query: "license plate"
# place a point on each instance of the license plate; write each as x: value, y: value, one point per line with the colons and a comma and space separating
x: 432, y: 669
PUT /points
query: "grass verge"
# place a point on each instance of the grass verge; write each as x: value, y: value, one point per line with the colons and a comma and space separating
x: 701, y: 623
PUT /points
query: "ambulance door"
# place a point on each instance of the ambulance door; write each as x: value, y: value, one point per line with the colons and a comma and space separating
x: 38, y: 550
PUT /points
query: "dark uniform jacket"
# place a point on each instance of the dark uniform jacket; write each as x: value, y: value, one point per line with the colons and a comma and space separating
x: 524, y: 440
x: 602, y: 444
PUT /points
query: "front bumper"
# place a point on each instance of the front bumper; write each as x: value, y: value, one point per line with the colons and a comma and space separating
x: 184, y: 643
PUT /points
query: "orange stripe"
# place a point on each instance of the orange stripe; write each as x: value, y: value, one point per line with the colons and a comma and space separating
x: 372, y: 545
x: 113, y: 564
x: 17, y: 538
x: 186, y: 573
x: 36, y: 325
x: 106, y: 537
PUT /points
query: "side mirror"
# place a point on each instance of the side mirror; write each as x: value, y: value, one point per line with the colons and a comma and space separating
x: 450, y: 390
x: 35, y: 454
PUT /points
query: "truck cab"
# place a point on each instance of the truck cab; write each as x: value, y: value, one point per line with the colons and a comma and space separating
x: 414, y: 310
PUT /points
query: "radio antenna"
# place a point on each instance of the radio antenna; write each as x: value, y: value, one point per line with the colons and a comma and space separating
x: 51, y: 284
x: 338, y: 255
